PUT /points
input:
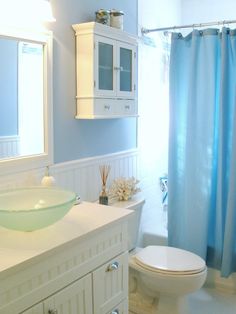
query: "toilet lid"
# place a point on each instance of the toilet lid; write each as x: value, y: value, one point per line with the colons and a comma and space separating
x: 169, y: 260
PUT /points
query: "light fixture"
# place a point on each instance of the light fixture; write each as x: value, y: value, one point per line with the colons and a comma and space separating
x: 25, y: 12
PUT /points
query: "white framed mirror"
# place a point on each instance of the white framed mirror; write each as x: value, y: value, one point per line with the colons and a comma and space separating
x: 25, y: 100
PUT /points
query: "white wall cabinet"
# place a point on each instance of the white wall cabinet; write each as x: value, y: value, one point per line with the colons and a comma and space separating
x: 84, y: 270
x: 106, y: 72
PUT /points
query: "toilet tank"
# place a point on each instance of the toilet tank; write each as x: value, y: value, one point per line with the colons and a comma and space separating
x: 136, y: 204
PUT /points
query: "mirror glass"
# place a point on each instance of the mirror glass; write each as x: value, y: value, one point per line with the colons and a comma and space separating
x: 21, y: 98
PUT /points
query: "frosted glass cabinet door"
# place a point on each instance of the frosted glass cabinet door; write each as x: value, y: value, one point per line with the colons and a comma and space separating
x: 105, y: 83
x: 75, y: 299
x: 126, y: 74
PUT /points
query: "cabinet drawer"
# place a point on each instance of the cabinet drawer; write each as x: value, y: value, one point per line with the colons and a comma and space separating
x: 121, y: 308
x: 110, y: 284
x: 74, y: 299
x: 104, y: 107
x: 125, y: 108
x: 37, y: 309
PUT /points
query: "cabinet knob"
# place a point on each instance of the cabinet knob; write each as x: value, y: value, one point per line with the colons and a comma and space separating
x: 54, y: 311
x: 107, y: 107
x: 118, y: 68
x: 127, y: 107
x: 115, y: 312
x: 113, y: 266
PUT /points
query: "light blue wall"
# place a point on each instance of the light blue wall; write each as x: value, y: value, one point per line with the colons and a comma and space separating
x: 74, y: 139
x: 8, y: 87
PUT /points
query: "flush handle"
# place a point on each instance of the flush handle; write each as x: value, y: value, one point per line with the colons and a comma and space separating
x: 113, y: 266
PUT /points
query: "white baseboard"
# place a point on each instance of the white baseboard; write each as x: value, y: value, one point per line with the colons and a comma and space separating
x: 214, y: 279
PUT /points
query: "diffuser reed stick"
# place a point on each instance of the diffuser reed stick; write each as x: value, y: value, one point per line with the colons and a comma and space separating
x: 104, y: 172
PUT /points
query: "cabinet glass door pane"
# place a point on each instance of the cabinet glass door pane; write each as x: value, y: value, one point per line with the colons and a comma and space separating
x: 125, y: 70
x: 105, y: 66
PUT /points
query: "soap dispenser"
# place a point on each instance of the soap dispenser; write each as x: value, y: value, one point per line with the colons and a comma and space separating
x: 48, y: 180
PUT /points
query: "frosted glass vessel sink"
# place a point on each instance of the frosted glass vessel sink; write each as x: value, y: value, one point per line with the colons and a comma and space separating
x: 34, y: 207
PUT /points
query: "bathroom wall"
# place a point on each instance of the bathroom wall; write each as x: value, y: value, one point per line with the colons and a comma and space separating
x: 80, y: 146
x: 195, y: 11
x: 75, y: 139
x: 153, y: 109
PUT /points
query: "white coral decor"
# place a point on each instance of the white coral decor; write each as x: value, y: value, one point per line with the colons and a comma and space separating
x: 123, y: 188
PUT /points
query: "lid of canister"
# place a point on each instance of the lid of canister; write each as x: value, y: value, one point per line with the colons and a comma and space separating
x: 102, y: 11
x: 116, y: 12
x: 169, y: 259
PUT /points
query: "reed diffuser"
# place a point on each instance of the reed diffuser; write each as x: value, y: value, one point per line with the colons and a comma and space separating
x: 104, y: 172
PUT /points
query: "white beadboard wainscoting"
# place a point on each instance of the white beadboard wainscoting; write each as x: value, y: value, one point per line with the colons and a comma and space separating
x: 81, y: 176
x: 9, y: 146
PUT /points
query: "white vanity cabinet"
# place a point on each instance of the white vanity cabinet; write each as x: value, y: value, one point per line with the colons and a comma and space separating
x: 110, y: 285
x: 106, y: 72
x: 76, y: 266
x: 36, y: 309
x: 74, y: 299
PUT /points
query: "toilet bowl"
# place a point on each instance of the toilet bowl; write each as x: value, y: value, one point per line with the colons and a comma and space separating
x: 160, y: 277
x: 166, y: 275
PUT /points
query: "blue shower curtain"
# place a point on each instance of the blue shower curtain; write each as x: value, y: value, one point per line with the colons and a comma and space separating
x: 202, y: 146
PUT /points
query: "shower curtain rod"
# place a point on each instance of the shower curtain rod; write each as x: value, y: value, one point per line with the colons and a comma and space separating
x: 146, y: 31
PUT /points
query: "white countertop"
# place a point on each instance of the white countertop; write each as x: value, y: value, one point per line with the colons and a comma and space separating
x: 17, y: 247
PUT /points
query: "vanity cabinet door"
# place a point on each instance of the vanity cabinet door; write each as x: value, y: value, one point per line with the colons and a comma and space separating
x: 110, y: 284
x: 36, y: 309
x: 121, y: 308
x: 74, y: 299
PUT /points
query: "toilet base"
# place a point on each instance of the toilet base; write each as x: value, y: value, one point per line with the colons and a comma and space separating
x: 142, y: 304
x: 172, y: 305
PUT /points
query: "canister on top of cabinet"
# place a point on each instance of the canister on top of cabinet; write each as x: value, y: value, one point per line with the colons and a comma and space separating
x: 103, y: 16
x: 116, y: 18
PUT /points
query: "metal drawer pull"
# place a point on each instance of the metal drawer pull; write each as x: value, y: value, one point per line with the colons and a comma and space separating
x: 107, y: 107
x: 118, y: 68
x: 127, y: 107
x: 113, y: 266
x: 115, y: 312
x: 52, y: 311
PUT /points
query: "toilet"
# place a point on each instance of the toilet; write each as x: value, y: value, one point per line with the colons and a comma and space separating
x: 160, y: 277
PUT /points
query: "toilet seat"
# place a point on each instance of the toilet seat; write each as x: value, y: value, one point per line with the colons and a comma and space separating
x: 169, y: 260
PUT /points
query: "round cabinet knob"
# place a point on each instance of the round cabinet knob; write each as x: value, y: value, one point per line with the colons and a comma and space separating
x: 115, y: 312
x: 54, y: 311
x: 113, y: 266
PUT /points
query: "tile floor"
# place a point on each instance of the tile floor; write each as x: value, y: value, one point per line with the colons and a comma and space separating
x: 208, y: 301
x: 212, y: 301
